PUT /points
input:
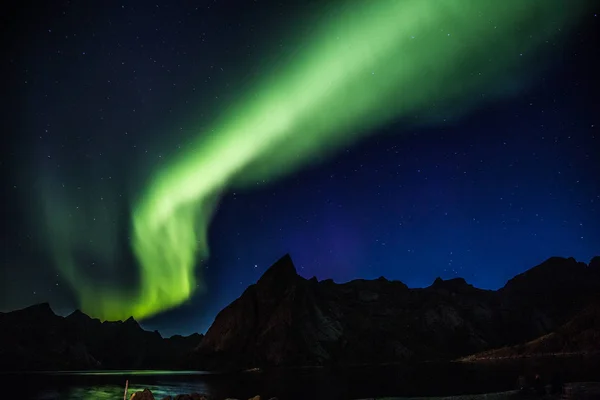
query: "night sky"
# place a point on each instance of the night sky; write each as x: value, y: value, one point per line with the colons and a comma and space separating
x: 102, y: 96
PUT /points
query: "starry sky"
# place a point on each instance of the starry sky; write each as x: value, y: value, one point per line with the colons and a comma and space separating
x: 104, y: 95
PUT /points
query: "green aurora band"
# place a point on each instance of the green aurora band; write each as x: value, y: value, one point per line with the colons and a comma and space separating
x: 366, y: 64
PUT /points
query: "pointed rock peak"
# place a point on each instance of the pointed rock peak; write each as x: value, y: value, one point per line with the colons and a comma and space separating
x: 41, y: 308
x: 438, y: 281
x: 283, y: 271
x: 78, y: 314
x: 284, y: 263
x: 131, y: 321
x: 555, y: 272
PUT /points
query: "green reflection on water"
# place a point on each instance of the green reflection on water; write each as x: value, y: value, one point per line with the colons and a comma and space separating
x: 113, y: 392
x: 132, y: 372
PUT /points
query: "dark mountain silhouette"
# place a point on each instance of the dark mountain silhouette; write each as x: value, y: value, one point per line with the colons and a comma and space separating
x: 35, y: 338
x: 285, y: 319
x: 579, y: 336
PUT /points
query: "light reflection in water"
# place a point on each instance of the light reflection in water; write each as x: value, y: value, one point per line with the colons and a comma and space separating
x: 109, y: 391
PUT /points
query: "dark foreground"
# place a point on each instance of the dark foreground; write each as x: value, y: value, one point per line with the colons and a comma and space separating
x: 571, y: 390
x: 419, y: 380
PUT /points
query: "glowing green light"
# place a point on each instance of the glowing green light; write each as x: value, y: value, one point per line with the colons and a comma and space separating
x: 369, y: 63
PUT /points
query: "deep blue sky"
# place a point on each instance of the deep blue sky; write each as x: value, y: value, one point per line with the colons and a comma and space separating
x: 94, y: 91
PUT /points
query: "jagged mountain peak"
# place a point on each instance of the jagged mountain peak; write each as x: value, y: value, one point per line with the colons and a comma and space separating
x: 78, y: 315
x: 282, y: 272
x: 558, y: 272
x: 287, y: 320
x: 80, y: 342
x: 40, y: 307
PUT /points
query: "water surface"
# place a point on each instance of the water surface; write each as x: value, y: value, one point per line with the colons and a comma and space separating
x: 425, y: 379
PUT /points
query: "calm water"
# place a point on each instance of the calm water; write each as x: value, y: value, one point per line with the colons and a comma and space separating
x: 417, y: 380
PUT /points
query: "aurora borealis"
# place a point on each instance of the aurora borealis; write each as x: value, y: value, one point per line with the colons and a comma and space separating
x: 348, y: 70
x: 370, y: 63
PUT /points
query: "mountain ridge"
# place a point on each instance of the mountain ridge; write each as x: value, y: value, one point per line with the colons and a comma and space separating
x: 35, y: 338
x: 579, y: 336
x: 306, y: 322
x: 286, y: 320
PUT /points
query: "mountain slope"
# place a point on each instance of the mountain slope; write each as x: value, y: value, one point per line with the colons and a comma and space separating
x: 285, y: 319
x: 35, y: 338
x: 580, y: 335
x: 277, y: 320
